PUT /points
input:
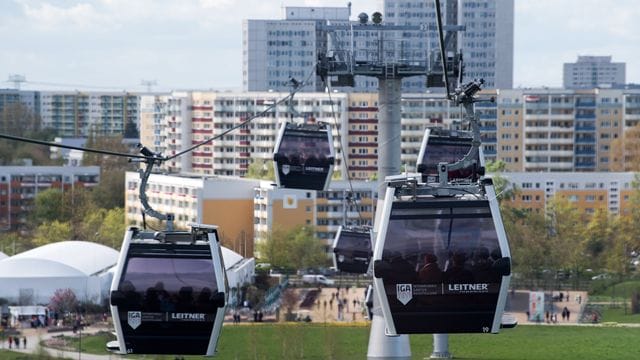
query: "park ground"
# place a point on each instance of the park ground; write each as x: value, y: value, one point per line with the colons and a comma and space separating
x: 327, y: 337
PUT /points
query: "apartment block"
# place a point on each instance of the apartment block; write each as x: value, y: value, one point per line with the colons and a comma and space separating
x: 486, y: 42
x: 276, y: 50
x: 19, y: 186
x: 587, y: 191
x: 30, y: 99
x: 589, y: 72
x: 81, y: 114
x: 199, y: 116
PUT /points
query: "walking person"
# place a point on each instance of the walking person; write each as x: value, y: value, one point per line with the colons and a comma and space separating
x: 10, y: 341
x: 24, y: 342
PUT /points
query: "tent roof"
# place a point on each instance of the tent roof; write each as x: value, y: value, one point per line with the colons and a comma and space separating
x: 230, y: 257
x: 65, y: 258
x: 3, y: 255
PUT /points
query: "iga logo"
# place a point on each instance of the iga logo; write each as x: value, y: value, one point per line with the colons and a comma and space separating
x: 134, y: 318
x: 404, y: 293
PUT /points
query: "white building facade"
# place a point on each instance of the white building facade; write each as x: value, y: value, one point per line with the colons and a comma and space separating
x: 594, y: 71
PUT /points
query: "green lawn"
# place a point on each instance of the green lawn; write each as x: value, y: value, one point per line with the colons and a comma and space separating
x: 618, y: 315
x: 623, y: 289
x: 315, y: 341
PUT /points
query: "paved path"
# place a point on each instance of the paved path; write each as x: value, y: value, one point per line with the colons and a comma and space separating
x: 518, y: 305
x: 35, y: 336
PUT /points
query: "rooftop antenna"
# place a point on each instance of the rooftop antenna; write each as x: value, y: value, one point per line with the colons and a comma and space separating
x: 17, y: 79
x: 149, y: 84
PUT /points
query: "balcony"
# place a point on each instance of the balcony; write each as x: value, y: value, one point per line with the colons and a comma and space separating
x: 585, y: 128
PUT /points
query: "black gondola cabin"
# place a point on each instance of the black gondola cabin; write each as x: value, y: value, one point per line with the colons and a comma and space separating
x: 304, y: 156
x: 442, y: 264
x: 168, y: 294
x: 352, y: 250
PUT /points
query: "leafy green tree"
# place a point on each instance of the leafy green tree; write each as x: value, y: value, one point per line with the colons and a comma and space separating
x: 51, y: 232
x: 567, y: 227
x: 12, y: 243
x: 113, y: 227
x: 261, y: 169
x: 50, y: 206
x: 297, y: 248
x: 530, y: 243
x: 109, y: 193
x: 597, y: 239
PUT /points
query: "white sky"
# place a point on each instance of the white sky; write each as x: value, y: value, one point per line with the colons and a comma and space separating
x: 197, y: 44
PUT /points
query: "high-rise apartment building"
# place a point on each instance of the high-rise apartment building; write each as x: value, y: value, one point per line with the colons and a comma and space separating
x: 274, y: 50
x: 198, y: 116
x: 80, y: 114
x: 486, y: 42
x: 594, y: 71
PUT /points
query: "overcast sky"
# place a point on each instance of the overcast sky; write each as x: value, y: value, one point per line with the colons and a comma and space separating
x: 197, y: 44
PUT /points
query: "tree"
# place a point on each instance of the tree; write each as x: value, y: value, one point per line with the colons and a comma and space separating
x: 18, y: 120
x: 113, y: 227
x: 63, y: 301
x: 49, y: 206
x: 50, y: 232
x: 130, y: 130
x: 567, y: 227
x: 504, y: 190
x: 597, y: 238
x: 293, y: 249
x: 530, y: 243
x: 261, y: 169
x: 106, y: 162
x: 12, y: 243
x: 109, y: 193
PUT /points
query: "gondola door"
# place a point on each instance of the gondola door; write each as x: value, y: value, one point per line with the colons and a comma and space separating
x: 442, y: 265
x: 168, y: 297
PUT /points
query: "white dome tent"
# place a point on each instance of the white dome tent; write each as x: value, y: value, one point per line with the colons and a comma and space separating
x: 239, y: 270
x: 33, y: 276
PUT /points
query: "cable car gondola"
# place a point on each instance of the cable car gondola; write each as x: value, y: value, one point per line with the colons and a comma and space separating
x: 168, y: 294
x: 304, y: 156
x: 352, y: 250
x: 448, y: 146
x: 441, y: 263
